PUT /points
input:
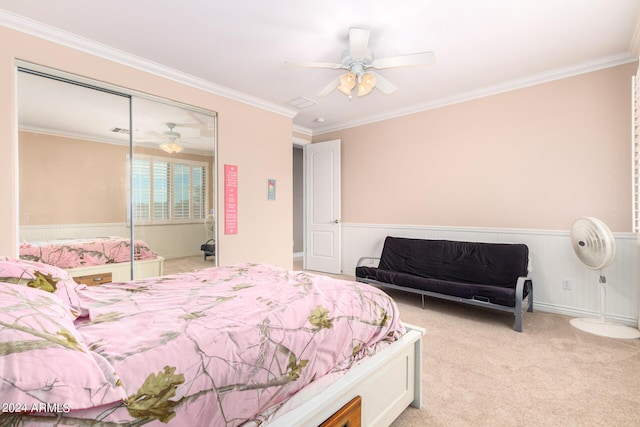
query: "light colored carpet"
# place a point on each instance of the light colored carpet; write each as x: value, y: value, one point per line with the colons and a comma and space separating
x: 178, y: 265
x: 477, y: 371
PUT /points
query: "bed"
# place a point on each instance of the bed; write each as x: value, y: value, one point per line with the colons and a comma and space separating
x: 96, y: 260
x: 246, y: 345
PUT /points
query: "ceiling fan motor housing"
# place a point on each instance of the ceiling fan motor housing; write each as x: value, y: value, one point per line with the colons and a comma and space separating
x: 171, y: 135
x: 356, y: 65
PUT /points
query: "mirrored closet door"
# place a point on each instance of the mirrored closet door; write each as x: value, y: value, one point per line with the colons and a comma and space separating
x: 103, y: 201
x: 172, y: 182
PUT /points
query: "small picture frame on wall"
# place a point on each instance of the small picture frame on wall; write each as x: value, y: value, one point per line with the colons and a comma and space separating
x: 271, y: 189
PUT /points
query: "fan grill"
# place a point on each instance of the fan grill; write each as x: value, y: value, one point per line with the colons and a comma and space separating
x: 593, y: 242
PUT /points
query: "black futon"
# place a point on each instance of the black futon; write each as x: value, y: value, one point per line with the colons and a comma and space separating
x: 208, y: 248
x: 492, y: 275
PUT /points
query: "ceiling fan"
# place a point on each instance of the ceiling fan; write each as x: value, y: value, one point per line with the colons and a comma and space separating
x: 169, y: 137
x: 173, y: 142
x: 358, y: 60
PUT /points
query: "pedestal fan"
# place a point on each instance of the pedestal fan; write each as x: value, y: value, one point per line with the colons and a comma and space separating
x: 595, y: 247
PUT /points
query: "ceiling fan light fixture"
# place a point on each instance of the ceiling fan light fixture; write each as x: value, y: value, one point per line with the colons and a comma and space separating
x: 347, y: 83
x: 171, y: 147
x: 366, y: 85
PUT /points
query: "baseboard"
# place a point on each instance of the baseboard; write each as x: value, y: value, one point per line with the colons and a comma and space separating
x: 572, y: 312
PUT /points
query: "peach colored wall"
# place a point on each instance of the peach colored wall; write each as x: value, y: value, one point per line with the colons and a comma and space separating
x: 262, y: 152
x: 79, y: 181
x: 256, y: 140
x: 70, y: 181
x: 533, y: 158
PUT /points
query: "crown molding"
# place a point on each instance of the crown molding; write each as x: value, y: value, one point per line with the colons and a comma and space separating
x: 303, y: 130
x: 74, y: 135
x: 535, y: 79
x: 55, y: 35
x: 112, y: 141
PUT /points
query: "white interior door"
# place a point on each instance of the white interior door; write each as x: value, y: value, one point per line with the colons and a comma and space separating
x: 322, y: 202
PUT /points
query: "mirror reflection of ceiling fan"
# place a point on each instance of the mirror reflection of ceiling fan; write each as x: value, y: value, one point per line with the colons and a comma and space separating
x: 359, y: 61
x: 171, y: 146
x: 169, y: 140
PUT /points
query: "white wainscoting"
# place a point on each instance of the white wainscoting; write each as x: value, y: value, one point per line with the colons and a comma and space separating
x: 31, y: 233
x: 552, y: 259
x: 168, y: 241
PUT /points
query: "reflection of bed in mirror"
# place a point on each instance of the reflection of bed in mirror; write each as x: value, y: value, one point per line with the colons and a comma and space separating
x: 98, y: 260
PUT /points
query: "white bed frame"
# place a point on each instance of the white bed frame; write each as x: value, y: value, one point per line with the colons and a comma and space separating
x: 388, y: 382
x: 121, y: 272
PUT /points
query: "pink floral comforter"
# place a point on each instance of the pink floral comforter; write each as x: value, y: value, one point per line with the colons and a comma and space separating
x: 71, y: 253
x: 227, y: 345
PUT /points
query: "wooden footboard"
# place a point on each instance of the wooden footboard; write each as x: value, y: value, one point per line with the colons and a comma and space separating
x: 121, y: 272
x: 387, y: 382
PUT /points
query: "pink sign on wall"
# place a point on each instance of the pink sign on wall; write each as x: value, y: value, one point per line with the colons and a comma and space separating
x: 230, y: 199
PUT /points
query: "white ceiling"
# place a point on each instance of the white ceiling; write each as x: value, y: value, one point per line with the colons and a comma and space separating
x: 481, y: 47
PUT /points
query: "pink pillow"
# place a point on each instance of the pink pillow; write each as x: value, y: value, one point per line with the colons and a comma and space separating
x: 44, y: 357
x: 41, y: 276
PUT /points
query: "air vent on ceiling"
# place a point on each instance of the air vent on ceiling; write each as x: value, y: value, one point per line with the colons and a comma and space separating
x: 120, y: 130
x: 302, y: 102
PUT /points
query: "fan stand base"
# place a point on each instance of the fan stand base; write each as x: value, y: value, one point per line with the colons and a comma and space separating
x: 605, y: 329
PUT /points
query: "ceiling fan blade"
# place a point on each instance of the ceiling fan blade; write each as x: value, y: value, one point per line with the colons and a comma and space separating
x: 358, y: 42
x: 330, y: 87
x: 413, y: 59
x: 191, y: 125
x: 198, y: 121
x: 331, y: 65
x: 205, y: 131
x: 154, y: 134
x: 384, y: 85
x: 204, y: 125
